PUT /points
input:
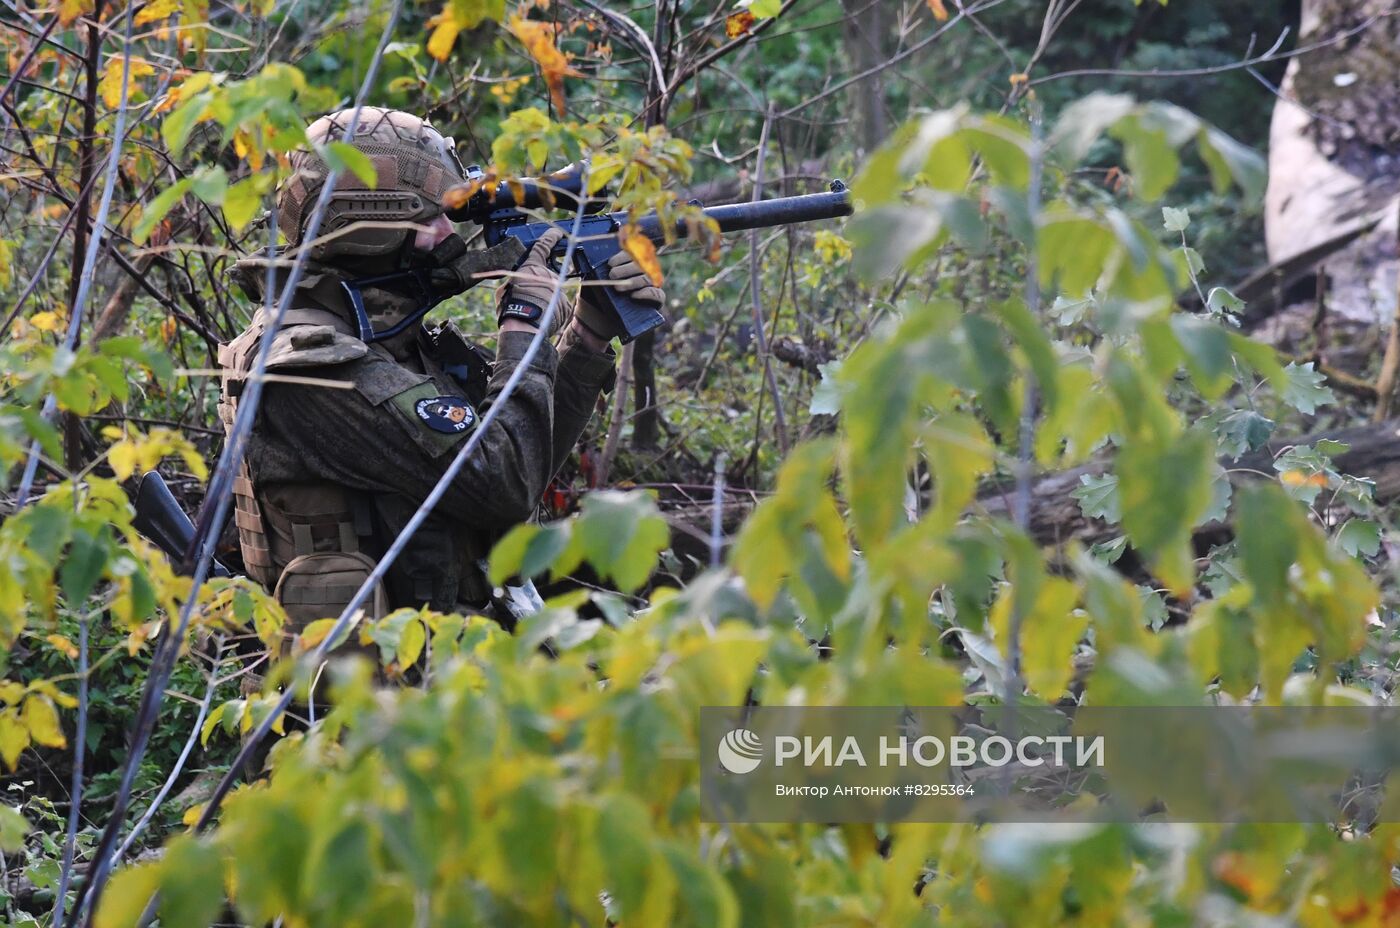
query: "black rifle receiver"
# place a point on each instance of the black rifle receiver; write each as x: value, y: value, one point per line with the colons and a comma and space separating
x: 160, y: 518
x: 499, y: 213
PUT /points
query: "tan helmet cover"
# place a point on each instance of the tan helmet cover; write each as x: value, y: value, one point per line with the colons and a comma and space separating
x: 413, y: 163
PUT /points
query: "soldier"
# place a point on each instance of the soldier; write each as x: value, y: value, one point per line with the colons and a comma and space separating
x: 331, y: 476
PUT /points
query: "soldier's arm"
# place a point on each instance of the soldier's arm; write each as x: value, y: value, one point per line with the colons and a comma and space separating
x: 393, y: 431
x: 586, y: 368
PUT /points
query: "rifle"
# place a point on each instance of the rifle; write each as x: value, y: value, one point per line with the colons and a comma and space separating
x: 499, y: 212
x: 160, y: 519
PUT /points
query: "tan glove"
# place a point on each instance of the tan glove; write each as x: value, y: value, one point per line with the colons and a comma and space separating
x: 526, y: 293
x: 626, y: 276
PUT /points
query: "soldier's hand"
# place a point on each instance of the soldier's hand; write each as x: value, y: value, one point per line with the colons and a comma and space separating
x: 624, y: 275
x: 526, y: 293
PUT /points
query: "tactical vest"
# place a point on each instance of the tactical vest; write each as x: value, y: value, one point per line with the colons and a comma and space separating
x: 303, y: 541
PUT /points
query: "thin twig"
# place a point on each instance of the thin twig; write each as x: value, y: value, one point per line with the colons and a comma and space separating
x: 760, y: 335
x: 1025, y: 460
x: 180, y: 761
x: 1247, y: 62
x: 89, y: 257
x: 717, y: 512
x: 70, y: 839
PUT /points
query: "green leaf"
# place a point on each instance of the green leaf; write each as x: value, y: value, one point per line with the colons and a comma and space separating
x: 1152, y: 159
x: 1268, y: 541
x: 706, y: 901
x: 1194, y: 262
x: 528, y: 550
x: 126, y: 896
x: 176, y: 127
x: 342, y: 156
x: 1228, y: 159
x: 1175, y: 220
x: 1154, y: 608
x: 158, y: 207
x: 1306, y: 389
x: 1110, y: 551
x: 13, y: 829
x: 638, y: 877
x: 209, y: 185
x: 1222, y: 302
x: 1098, y: 497
x: 191, y: 884
x: 1243, y: 430
x: 1221, y: 493
x: 1082, y: 122
x: 765, y: 9
x: 1207, y: 349
x: 1159, y: 522
x: 826, y: 396
x: 621, y: 535
x: 241, y: 202
x: 87, y: 556
x: 1359, y: 537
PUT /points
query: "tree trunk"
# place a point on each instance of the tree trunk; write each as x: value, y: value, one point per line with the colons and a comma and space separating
x: 1056, y: 518
x: 867, y: 29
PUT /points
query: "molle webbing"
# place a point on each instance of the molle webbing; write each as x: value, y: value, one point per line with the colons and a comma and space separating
x: 278, y: 524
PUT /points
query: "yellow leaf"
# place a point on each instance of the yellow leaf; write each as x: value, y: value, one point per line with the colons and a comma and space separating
x: 123, y: 457
x: 14, y: 738
x: 1019, y: 79
x: 445, y: 28
x: 167, y: 329
x: 46, y: 321
x: 41, y: 718
x: 53, y: 692
x: 192, y: 814
x: 738, y: 24
x: 1298, y: 478
x: 316, y: 632
x: 69, y: 10
x: 111, y: 84
x: 643, y: 252
x: 458, y: 195
x: 538, y: 39
x: 63, y: 644
x: 11, y: 692
x: 940, y: 12
x: 157, y: 9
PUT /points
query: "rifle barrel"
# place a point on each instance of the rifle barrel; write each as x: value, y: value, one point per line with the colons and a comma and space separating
x: 762, y: 214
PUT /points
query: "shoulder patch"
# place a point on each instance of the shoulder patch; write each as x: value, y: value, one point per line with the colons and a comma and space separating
x: 449, y: 414
x: 436, y: 421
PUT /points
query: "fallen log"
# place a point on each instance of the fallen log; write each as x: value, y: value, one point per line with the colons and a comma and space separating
x: 1373, y: 452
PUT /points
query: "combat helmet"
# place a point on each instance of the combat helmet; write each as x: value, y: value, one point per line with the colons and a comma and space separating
x: 414, y: 164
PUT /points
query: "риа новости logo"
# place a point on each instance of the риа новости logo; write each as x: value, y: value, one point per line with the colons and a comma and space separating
x: 740, y: 751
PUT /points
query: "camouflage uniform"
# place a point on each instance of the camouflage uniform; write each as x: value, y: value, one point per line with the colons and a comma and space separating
x: 331, y: 476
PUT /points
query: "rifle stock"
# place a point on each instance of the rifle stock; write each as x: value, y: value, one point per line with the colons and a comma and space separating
x: 161, y: 520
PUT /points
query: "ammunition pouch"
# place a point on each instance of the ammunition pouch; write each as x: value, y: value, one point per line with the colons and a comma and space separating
x: 320, y: 586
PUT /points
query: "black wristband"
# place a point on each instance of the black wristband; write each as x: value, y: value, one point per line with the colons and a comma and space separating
x: 519, y: 309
